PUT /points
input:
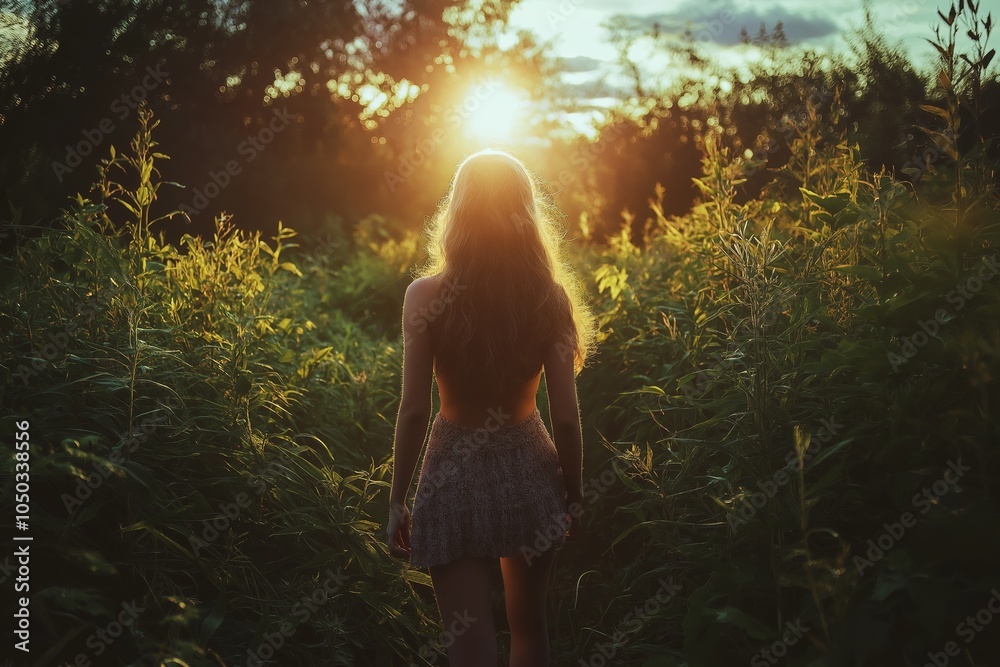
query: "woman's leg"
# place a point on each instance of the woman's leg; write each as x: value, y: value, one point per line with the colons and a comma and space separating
x: 525, y: 587
x: 463, y: 589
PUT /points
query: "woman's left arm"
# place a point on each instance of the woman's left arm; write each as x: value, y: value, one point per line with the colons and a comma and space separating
x: 415, y: 404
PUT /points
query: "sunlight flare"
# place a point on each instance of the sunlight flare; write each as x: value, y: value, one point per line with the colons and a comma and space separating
x: 493, y: 112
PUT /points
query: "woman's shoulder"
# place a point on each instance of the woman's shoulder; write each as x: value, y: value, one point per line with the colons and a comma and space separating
x: 421, y: 290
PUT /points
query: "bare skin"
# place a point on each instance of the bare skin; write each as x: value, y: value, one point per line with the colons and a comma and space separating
x: 463, y: 587
x: 518, y: 402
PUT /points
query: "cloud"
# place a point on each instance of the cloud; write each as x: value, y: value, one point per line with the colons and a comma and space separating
x: 594, y: 89
x: 721, y: 22
x: 579, y: 64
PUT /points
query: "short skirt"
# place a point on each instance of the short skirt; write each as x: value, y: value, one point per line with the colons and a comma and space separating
x: 490, y: 492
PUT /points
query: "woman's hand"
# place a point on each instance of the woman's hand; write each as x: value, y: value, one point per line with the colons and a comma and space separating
x: 574, y: 512
x: 399, y: 531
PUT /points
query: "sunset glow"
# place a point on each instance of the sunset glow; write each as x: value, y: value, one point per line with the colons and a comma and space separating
x: 493, y: 112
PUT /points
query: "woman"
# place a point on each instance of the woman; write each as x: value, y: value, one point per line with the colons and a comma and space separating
x: 495, y: 307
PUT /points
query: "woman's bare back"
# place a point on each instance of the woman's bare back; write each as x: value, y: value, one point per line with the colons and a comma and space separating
x: 485, y: 406
x: 508, y: 406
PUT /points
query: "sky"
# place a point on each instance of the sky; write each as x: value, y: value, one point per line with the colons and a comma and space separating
x: 574, y: 26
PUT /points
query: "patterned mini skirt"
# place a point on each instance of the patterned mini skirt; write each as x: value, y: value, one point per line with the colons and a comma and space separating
x: 489, y: 492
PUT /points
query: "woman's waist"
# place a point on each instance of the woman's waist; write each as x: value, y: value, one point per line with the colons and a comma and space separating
x: 527, y: 437
x: 489, y: 417
x: 499, y: 429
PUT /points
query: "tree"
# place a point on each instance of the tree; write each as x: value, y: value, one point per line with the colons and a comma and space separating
x: 236, y: 80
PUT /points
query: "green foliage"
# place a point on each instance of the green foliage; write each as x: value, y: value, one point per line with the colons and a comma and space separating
x: 195, y: 420
x: 779, y: 403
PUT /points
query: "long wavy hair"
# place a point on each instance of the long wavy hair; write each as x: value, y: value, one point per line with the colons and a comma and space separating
x: 506, y: 290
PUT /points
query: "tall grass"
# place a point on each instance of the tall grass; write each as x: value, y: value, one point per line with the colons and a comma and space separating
x: 775, y: 413
x: 199, y: 443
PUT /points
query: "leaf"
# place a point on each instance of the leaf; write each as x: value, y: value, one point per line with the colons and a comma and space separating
x: 802, y: 438
x: 987, y: 59
x: 834, y: 203
x: 827, y: 452
x: 938, y: 111
x: 213, y: 620
x: 322, y: 352
x: 291, y: 268
x: 937, y: 46
x: 869, y: 273
x: 702, y: 186
x: 612, y: 279
x: 887, y: 584
x: 418, y: 577
x: 741, y: 619
x: 131, y: 209
x: 944, y: 80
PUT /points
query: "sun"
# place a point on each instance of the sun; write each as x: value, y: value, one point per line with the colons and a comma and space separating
x: 492, y: 112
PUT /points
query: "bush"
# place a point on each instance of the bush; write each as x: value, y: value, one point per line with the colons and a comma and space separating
x: 194, y: 445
